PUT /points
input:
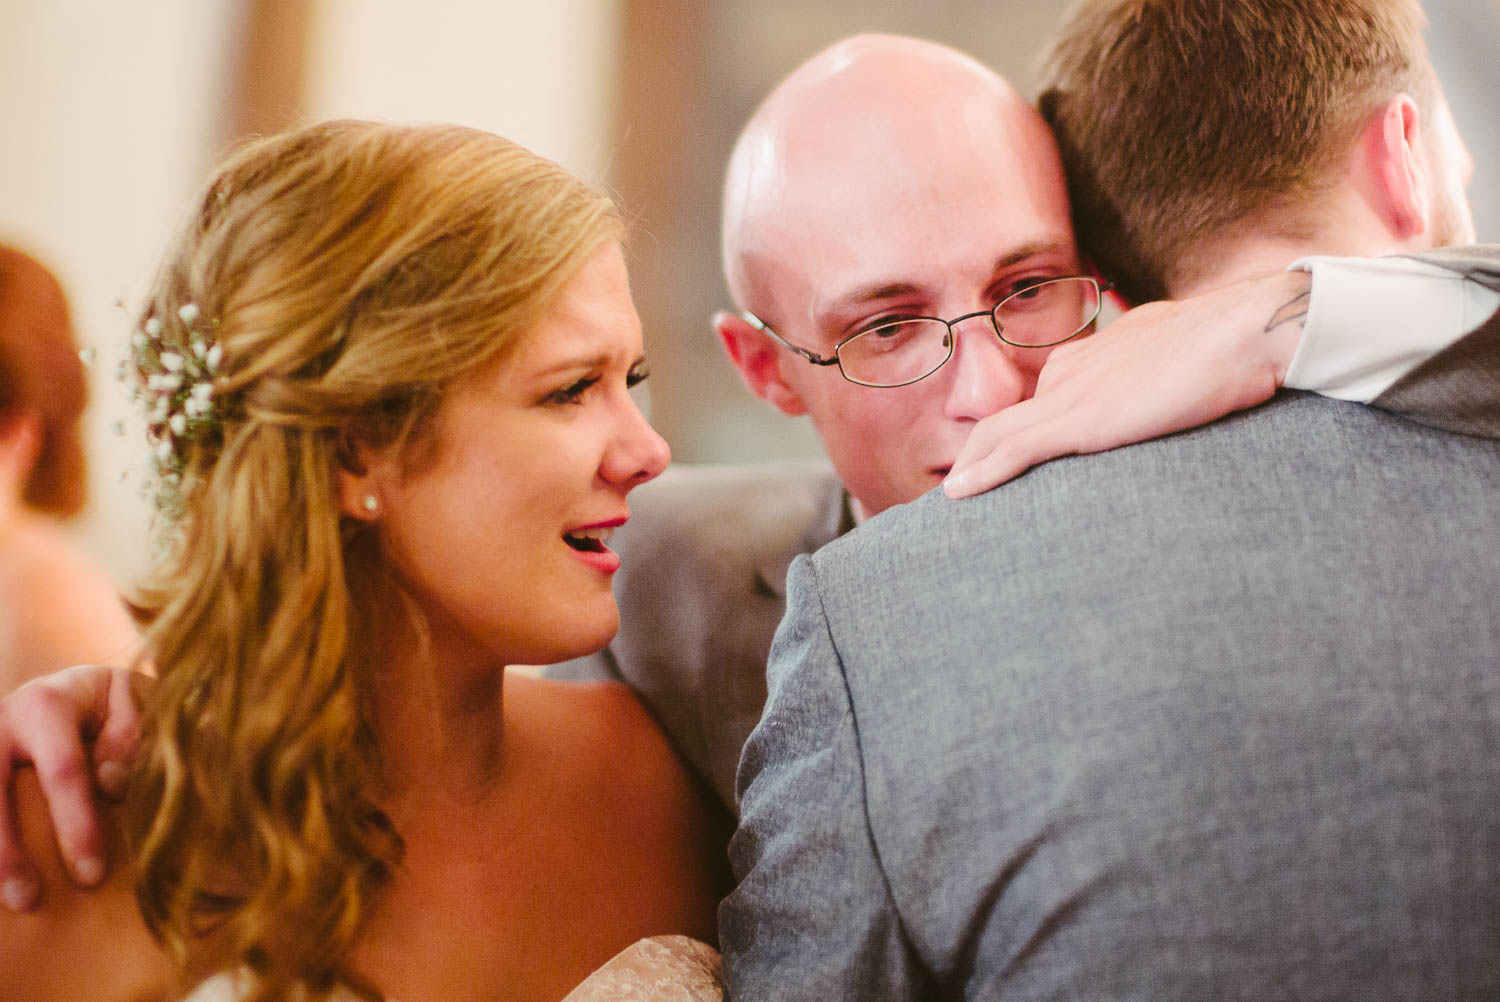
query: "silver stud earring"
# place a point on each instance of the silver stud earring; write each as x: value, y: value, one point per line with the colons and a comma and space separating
x: 371, y: 503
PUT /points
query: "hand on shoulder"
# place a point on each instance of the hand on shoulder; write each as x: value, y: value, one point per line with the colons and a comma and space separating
x: 77, y: 944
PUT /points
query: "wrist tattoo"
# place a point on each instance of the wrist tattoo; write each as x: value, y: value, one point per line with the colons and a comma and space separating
x: 1294, y: 311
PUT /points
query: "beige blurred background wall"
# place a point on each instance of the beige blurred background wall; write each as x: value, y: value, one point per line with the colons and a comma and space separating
x: 111, y: 113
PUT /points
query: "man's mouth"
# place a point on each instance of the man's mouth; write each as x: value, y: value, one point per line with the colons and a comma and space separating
x: 588, y: 540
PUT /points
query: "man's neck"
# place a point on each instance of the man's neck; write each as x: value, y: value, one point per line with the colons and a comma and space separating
x: 1227, y: 263
x: 1343, y: 225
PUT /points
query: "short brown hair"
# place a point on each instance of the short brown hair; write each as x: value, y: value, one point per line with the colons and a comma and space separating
x: 1179, y: 119
x: 40, y: 373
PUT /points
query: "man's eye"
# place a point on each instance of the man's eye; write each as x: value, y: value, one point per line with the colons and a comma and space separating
x: 893, y: 336
x: 885, y: 326
x: 573, y: 392
x: 891, y: 330
x: 1027, y: 288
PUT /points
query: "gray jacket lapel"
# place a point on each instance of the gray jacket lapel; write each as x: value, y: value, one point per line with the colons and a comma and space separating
x: 834, y: 518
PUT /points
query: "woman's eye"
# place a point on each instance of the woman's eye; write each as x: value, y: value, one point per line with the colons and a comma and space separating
x: 573, y: 392
x: 637, y: 375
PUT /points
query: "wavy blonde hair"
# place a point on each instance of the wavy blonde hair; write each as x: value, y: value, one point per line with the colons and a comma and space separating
x: 349, y: 272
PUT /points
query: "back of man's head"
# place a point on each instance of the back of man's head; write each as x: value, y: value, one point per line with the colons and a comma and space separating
x: 1182, y: 122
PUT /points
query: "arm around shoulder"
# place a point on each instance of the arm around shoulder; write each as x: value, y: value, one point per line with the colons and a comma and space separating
x: 78, y: 944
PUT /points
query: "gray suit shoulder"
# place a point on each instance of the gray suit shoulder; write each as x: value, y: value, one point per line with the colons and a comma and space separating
x: 701, y: 588
x: 710, y: 511
x: 1242, y: 462
x: 1227, y: 695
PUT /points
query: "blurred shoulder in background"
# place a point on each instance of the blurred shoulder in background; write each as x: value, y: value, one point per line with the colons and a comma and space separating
x: 57, y: 606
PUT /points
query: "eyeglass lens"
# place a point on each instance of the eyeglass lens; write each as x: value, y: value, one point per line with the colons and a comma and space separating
x: 907, y: 350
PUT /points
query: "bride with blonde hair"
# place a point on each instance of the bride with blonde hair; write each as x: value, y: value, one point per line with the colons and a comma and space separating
x: 386, y: 373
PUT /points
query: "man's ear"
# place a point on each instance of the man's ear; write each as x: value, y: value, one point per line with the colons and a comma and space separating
x: 1395, y: 170
x: 758, y: 360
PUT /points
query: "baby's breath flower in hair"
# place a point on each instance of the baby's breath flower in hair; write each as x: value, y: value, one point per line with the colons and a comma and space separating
x: 172, y: 375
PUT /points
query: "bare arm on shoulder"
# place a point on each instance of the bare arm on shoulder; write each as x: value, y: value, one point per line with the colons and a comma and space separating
x: 47, y: 724
x: 77, y: 944
x: 1397, y: 333
x: 1159, y: 368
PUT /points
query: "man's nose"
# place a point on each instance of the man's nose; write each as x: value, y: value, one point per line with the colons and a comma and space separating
x: 986, y: 375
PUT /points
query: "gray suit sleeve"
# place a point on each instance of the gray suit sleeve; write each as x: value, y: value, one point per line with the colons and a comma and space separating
x: 1458, y: 388
x: 812, y: 917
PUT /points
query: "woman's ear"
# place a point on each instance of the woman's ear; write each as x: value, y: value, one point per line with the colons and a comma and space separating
x: 359, y: 493
x: 758, y: 360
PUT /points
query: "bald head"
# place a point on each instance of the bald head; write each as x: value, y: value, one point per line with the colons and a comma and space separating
x: 889, y: 177
x: 870, y: 112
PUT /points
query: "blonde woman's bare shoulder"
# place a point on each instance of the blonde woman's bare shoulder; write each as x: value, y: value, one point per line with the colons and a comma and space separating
x: 602, y: 730
x: 78, y: 944
x: 638, y: 807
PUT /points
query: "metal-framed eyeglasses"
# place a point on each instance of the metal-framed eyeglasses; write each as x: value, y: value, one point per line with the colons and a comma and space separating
x: 903, y: 350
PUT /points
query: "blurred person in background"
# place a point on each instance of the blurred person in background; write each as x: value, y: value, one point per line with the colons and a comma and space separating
x: 57, y: 606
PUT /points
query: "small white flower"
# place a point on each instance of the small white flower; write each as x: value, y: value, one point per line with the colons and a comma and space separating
x: 214, y: 355
x: 153, y: 327
x: 188, y: 313
x: 178, y: 424
x: 159, y: 411
x: 138, y: 340
x: 164, y: 450
x: 198, y: 348
x: 171, y: 361
x: 87, y: 356
x: 203, y: 392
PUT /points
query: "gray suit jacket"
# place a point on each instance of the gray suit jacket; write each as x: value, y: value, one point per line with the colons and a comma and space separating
x: 1212, y: 717
x: 1459, y: 387
x: 701, y: 587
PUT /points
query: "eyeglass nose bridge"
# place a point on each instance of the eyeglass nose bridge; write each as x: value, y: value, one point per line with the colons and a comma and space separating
x: 950, y: 342
x: 995, y: 325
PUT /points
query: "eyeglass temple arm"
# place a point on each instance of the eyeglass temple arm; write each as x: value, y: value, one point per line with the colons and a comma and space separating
x: 760, y: 325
